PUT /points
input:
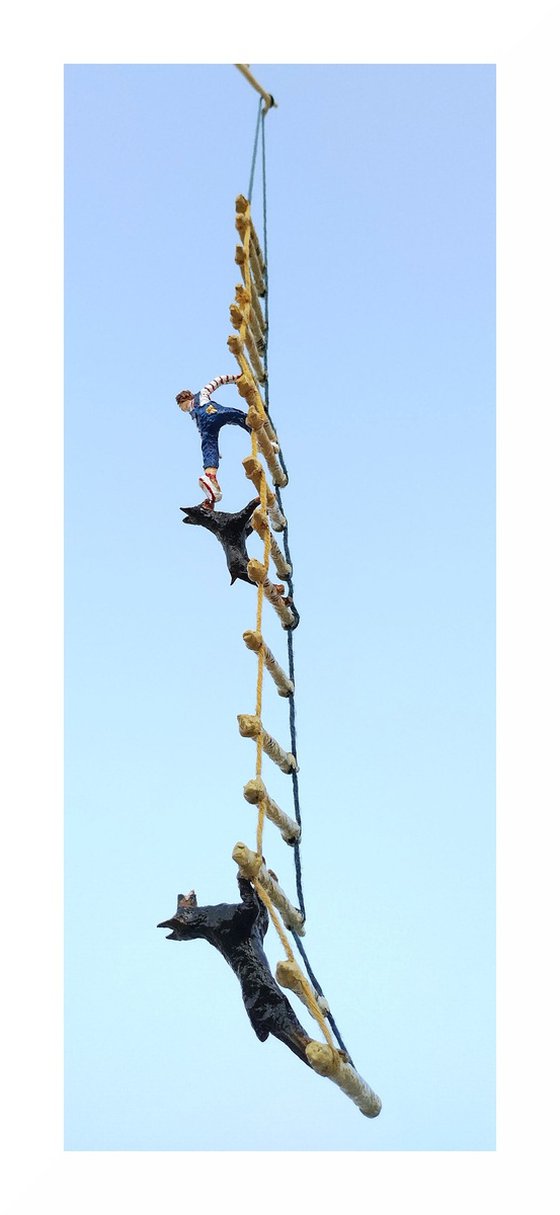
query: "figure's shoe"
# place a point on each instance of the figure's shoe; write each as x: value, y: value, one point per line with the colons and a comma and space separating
x: 209, y: 484
x: 208, y: 504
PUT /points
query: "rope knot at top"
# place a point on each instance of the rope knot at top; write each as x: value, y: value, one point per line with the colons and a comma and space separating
x: 268, y: 99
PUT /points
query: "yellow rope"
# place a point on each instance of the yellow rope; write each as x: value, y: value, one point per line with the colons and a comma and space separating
x: 260, y: 666
x: 248, y: 375
x: 311, y: 998
x: 235, y: 345
x: 263, y: 495
x: 247, y: 318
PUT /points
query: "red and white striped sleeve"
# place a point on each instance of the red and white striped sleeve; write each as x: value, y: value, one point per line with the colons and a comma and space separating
x: 206, y: 392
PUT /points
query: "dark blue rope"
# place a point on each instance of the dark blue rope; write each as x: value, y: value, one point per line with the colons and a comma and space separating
x: 292, y: 704
x: 255, y: 145
x: 291, y: 666
x: 295, y: 786
x: 317, y: 986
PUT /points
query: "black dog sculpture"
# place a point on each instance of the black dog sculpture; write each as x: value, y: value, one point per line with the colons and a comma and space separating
x: 231, y: 530
x: 237, y: 930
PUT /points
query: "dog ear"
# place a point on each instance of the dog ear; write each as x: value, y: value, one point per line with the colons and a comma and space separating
x: 187, y: 900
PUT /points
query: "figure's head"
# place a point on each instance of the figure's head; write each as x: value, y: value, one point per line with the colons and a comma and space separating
x: 185, y: 400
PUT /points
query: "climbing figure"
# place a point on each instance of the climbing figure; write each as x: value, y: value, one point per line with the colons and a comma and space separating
x: 210, y: 417
x: 237, y: 930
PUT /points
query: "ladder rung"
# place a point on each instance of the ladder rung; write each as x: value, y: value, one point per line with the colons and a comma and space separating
x: 249, y: 298
x: 274, y: 513
x: 243, y: 320
x: 257, y: 274
x: 329, y: 1062
x: 275, y: 468
x: 257, y: 573
x: 236, y: 344
x: 247, y: 384
x: 244, y: 309
x: 254, y: 471
x: 290, y: 975
x: 255, y: 793
x: 248, y: 389
x: 238, y: 319
x: 248, y: 261
x: 250, y: 726
x: 259, y: 522
x: 254, y: 356
x: 254, y: 642
x: 243, y: 221
x: 253, y: 867
x: 257, y: 416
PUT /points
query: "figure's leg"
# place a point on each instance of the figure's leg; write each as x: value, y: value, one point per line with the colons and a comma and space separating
x: 229, y: 416
x: 210, y: 428
x: 208, y: 481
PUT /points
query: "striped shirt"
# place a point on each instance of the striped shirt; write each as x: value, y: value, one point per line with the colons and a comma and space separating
x: 206, y: 392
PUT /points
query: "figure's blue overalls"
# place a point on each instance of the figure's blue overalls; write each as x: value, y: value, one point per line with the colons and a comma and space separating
x: 209, y: 419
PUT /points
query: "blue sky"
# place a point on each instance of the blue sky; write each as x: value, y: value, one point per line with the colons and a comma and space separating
x: 38, y: 43
x: 380, y: 202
